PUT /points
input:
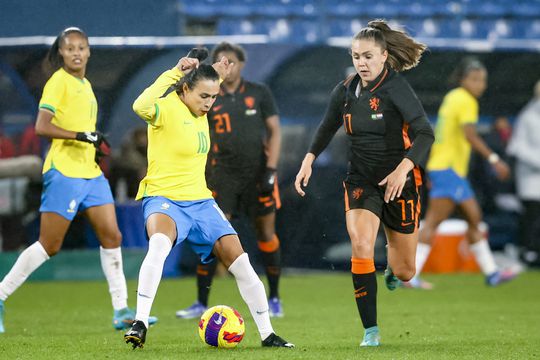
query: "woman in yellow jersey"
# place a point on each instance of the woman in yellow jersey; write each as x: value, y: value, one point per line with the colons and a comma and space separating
x: 72, y: 180
x: 177, y: 204
x: 455, y: 136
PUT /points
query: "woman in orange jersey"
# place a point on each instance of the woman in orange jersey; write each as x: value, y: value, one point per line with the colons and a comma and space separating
x: 378, y: 110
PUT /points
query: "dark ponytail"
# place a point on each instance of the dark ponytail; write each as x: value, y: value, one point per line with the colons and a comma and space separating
x: 403, y: 51
x: 203, y: 72
x: 54, y: 60
x: 466, y: 65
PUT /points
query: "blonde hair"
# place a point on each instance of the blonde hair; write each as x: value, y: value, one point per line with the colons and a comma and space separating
x: 403, y: 51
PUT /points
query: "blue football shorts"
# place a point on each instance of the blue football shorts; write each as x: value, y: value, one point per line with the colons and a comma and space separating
x: 200, y: 222
x: 66, y: 195
x: 447, y: 184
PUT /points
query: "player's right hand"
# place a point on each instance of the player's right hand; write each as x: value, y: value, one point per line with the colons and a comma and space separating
x: 502, y: 170
x: 186, y: 64
x: 92, y: 137
x: 302, y: 178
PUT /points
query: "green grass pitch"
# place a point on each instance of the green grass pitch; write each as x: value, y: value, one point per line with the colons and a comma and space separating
x: 460, y: 319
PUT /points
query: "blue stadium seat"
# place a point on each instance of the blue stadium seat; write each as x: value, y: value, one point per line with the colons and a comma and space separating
x: 532, y: 29
x: 200, y: 10
x: 502, y: 29
x: 234, y: 9
x: 346, y: 9
x: 305, y: 31
x: 299, y: 20
x: 422, y: 28
x: 486, y: 9
x: 526, y: 9
x: 526, y: 28
x: 345, y: 27
x: 237, y: 26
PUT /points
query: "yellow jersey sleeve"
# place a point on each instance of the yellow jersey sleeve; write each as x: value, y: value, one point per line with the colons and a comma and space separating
x: 53, y: 93
x: 146, y: 105
x: 466, y: 107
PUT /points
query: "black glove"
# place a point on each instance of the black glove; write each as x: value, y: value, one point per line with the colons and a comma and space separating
x: 98, y: 140
x: 268, y: 180
x: 91, y: 137
x: 103, y: 149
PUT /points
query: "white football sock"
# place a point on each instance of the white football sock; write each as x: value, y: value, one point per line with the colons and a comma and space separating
x: 159, y: 247
x: 29, y: 260
x: 484, y: 257
x: 252, y: 291
x: 422, y: 254
x: 111, y: 263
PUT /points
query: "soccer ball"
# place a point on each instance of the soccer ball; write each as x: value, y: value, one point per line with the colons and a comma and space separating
x: 221, y: 326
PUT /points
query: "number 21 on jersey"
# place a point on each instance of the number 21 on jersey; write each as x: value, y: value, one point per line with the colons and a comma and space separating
x: 222, y: 123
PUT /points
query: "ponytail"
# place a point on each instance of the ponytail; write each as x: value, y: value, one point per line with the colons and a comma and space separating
x: 403, y: 51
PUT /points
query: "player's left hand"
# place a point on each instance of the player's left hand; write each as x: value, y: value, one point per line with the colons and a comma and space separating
x: 395, y: 181
x: 103, y: 148
x: 268, y: 180
x: 223, y: 67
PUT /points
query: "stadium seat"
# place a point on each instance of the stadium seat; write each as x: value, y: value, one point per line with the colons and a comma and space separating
x: 526, y: 9
x: 305, y: 31
x: 300, y: 20
x: 485, y: 9
x: 236, y: 26
x: 345, y: 27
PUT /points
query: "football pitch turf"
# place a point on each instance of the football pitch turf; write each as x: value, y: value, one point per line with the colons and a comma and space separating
x: 460, y: 319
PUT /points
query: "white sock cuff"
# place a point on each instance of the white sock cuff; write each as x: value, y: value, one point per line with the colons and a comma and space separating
x: 160, y: 241
x: 484, y: 256
x: 110, y: 251
x: 38, y: 247
x: 423, y: 247
x: 241, y: 267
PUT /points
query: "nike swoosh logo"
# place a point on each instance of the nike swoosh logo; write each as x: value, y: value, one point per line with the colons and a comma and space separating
x: 144, y: 296
x: 406, y: 224
x: 92, y: 137
x: 217, y: 107
x: 261, y: 312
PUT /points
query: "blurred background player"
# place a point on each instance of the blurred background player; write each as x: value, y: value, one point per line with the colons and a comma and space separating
x: 72, y: 179
x: 525, y: 147
x: 129, y: 166
x: 177, y: 204
x: 455, y: 135
x: 378, y: 109
x: 246, y: 138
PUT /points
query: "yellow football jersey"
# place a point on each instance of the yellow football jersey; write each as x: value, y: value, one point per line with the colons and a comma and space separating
x: 74, y: 106
x: 451, y: 149
x: 178, y: 143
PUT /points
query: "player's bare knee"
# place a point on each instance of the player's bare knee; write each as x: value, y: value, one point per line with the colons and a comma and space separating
x: 52, y: 248
x: 112, y: 240
x: 228, y: 249
x: 361, y: 245
x: 404, y: 273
